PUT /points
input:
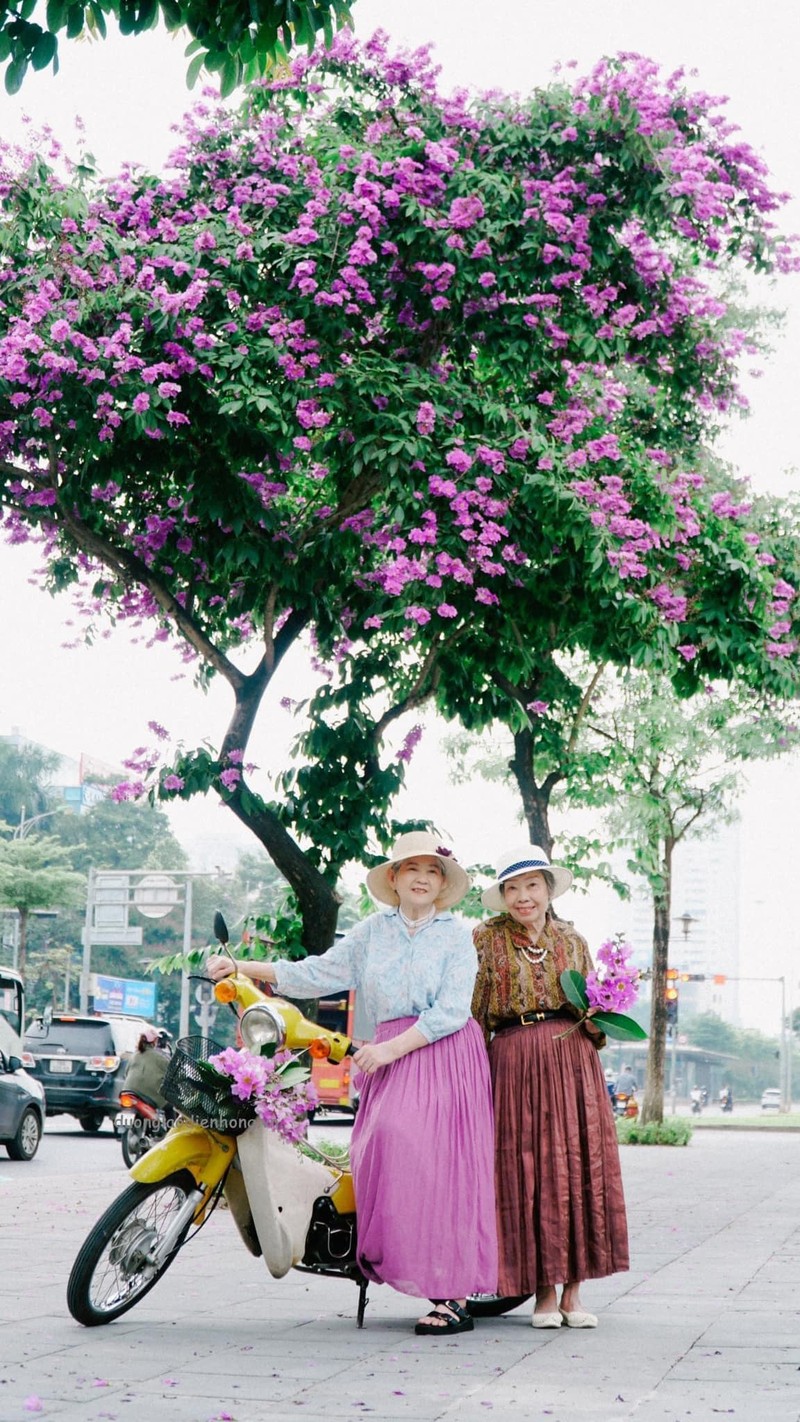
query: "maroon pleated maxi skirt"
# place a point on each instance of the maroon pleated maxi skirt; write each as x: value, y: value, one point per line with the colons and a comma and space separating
x: 422, y: 1153
x: 560, y: 1206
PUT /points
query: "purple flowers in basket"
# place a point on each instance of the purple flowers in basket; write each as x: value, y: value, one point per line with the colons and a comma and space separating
x: 278, y: 1087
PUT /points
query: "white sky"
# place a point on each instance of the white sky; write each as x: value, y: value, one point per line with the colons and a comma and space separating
x: 129, y: 94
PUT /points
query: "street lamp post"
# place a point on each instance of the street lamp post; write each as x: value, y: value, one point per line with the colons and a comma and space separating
x: 685, y: 920
x: 22, y: 829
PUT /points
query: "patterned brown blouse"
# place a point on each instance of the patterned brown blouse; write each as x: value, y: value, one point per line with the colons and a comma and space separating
x: 509, y: 984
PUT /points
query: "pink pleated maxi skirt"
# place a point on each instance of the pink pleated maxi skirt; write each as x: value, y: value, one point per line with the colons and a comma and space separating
x: 422, y: 1153
x: 560, y: 1206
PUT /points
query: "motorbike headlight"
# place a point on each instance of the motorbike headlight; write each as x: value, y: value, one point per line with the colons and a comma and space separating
x: 262, y: 1026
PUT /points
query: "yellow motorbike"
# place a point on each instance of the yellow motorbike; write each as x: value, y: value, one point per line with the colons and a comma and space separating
x: 293, y: 1209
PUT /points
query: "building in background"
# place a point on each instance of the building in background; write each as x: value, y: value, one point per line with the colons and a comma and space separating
x: 705, y: 930
x: 80, y: 783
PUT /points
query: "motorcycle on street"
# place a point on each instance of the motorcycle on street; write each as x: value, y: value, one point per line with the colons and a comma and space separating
x: 625, y: 1105
x: 145, y: 1117
x: 292, y: 1210
x: 139, y: 1125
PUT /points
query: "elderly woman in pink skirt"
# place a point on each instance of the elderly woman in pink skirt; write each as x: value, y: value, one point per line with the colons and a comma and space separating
x: 422, y: 1149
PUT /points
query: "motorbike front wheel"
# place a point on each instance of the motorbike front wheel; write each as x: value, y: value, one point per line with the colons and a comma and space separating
x: 112, y: 1272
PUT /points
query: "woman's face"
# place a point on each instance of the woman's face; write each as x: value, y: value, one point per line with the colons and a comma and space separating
x: 418, y: 882
x: 527, y: 897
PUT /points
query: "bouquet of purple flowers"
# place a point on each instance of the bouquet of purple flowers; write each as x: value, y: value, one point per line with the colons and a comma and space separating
x: 601, y: 994
x: 277, y: 1087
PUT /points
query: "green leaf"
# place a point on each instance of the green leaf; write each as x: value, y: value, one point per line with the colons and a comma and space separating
x: 15, y: 74
x: 194, y: 70
x: 617, y: 1025
x: 573, y: 985
x: 75, y: 21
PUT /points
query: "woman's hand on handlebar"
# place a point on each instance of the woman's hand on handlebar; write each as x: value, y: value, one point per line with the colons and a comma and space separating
x: 373, y: 1055
x: 221, y: 965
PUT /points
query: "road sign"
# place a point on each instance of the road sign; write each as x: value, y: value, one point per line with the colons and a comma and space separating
x: 114, y: 937
x: 204, y: 992
x: 156, y: 895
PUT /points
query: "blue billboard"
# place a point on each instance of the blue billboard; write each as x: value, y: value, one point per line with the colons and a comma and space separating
x: 124, y: 995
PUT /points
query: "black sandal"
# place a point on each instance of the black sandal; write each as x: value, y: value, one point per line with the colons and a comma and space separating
x: 460, y: 1323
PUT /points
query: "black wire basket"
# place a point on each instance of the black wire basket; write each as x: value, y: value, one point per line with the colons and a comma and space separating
x: 190, y: 1087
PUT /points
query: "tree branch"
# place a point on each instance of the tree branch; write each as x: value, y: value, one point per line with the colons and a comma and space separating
x: 132, y: 569
x: 583, y: 708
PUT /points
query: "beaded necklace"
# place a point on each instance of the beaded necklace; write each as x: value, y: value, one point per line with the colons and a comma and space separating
x: 533, y: 954
x: 415, y: 924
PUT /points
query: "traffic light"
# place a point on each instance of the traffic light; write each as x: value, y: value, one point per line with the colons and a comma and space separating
x: 671, y: 997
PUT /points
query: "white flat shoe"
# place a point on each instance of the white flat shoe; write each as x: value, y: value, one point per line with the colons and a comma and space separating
x: 578, y: 1318
x: 546, y: 1320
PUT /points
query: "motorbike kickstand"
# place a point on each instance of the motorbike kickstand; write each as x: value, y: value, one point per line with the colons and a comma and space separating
x: 363, y: 1285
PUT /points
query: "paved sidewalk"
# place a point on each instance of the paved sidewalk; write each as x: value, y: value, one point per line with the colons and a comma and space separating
x: 706, y: 1325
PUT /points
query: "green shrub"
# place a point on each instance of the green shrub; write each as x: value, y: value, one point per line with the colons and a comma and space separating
x: 676, y: 1131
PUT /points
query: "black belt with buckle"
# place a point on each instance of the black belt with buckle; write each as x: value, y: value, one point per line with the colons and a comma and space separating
x: 529, y: 1019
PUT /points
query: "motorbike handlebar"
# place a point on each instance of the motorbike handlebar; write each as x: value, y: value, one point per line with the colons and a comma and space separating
x: 300, y: 1031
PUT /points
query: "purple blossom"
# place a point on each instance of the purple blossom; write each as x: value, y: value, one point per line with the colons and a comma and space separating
x: 409, y: 745
x: 465, y: 212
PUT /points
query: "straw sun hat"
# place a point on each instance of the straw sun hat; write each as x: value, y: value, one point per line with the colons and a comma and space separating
x: 417, y: 845
x: 524, y: 859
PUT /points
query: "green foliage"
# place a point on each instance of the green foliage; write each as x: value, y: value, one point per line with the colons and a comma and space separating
x: 574, y: 986
x: 755, y: 1064
x: 676, y: 1131
x: 25, y: 772
x: 236, y: 42
x: 619, y: 1026
x: 120, y: 836
x: 35, y: 873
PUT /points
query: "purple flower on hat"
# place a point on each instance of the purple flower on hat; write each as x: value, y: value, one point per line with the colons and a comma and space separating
x: 445, y: 853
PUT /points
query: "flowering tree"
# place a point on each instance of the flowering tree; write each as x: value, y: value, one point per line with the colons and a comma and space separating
x: 424, y: 378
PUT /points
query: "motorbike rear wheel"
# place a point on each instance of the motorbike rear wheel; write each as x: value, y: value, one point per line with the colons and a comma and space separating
x: 111, y: 1272
x: 494, y: 1305
x: 135, y: 1141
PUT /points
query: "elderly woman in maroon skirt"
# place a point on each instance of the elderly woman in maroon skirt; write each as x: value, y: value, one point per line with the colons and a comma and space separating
x: 560, y: 1207
x: 422, y: 1149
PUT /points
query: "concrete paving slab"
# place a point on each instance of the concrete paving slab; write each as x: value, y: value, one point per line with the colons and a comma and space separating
x: 692, y: 1332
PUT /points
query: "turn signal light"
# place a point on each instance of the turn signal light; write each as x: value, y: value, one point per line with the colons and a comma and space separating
x: 225, y: 990
x: 319, y: 1049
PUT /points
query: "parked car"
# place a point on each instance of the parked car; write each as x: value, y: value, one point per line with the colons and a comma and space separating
x: 81, y: 1062
x: 22, y: 1105
x: 771, y: 1099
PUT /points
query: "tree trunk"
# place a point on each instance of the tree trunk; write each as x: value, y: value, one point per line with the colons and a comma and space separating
x: 317, y: 900
x: 535, y: 798
x: 653, y: 1104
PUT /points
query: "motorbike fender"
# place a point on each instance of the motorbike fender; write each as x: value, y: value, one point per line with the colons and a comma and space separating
x: 282, y: 1186
x: 186, y: 1147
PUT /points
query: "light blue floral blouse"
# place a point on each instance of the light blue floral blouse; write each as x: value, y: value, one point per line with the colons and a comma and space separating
x: 429, y: 976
